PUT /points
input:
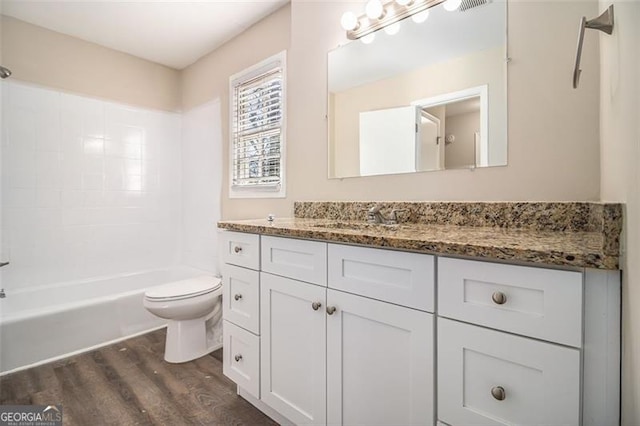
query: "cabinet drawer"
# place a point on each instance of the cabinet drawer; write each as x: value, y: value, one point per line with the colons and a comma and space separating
x: 298, y: 259
x: 536, y: 302
x: 241, y: 358
x: 402, y: 278
x: 487, y: 377
x: 241, y: 249
x: 241, y: 297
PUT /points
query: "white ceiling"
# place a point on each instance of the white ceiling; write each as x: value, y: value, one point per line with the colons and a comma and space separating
x: 174, y: 33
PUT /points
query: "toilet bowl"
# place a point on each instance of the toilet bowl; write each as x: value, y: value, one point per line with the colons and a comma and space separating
x: 189, y: 306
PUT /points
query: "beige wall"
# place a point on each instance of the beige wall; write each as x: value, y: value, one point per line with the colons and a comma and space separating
x: 208, y: 79
x: 475, y: 69
x: 620, y: 159
x: 462, y: 151
x: 47, y: 58
x: 553, y: 129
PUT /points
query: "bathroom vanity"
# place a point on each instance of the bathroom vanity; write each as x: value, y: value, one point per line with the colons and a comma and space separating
x: 331, y: 320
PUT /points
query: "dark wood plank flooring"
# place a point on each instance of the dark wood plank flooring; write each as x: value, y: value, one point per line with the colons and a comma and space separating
x: 129, y: 383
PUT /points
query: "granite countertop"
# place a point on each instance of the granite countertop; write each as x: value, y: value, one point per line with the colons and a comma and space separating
x: 575, y: 248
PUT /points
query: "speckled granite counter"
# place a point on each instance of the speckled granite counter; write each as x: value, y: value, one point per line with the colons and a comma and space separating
x: 566, y: 234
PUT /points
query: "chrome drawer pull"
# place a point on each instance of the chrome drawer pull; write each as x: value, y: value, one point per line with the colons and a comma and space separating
x: 316, y: 305
x: 498, y: 393
x: 499, y: 298
x: 237, y: 249
x: 238, y: 357
x: 331, y: 310
x: 237, y: 296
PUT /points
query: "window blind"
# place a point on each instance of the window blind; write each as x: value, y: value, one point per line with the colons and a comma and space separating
x: 257, y: 129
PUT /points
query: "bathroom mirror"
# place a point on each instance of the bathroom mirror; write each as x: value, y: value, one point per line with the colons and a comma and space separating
x: 430, y: 97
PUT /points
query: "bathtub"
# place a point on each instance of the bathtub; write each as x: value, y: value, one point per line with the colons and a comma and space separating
x: 40, y: 325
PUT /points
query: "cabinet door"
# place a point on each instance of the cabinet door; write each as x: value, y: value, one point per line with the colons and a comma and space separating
x: 487, y: 377
x: 380, y: 367
x: 293, y: 348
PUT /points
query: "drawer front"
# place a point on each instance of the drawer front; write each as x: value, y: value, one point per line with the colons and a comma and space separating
x: 241, y: 249
x: 402, y: 278
x: 241, y: 297
x: 298, y: 259
x: 536, y: 302
x: 241, y: 358
x: 487, y: 377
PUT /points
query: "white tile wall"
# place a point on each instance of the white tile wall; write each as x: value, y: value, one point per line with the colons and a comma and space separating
x: 201, y: 185
x: 89, y: 187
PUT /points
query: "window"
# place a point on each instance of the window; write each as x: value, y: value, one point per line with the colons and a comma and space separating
x: 257, y: 130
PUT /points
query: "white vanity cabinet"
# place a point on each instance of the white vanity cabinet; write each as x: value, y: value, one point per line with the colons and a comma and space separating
x: 240, y: 310
x: 332, y: 357
x: 327, y: 333
x: 350, y: 358
x: 521, y: 345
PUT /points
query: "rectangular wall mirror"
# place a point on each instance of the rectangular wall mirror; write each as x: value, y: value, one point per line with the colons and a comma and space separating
x: 433, y: 96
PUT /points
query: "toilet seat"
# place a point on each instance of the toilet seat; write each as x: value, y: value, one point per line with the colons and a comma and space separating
x: 185, y: 289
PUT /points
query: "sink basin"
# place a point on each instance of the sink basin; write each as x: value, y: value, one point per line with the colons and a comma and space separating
x: 352, y: 226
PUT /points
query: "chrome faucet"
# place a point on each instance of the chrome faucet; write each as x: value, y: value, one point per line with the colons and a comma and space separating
x: 374, y: 215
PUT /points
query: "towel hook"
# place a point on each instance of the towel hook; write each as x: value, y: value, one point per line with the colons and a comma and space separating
x: 603, y: 23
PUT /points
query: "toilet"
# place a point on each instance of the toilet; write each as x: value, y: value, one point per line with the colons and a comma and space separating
x: 191, y: 306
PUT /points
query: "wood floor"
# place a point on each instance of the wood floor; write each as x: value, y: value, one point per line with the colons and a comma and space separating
x: 129, y: 383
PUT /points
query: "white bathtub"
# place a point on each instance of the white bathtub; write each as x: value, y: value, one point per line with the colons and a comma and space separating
x: 40, y: 325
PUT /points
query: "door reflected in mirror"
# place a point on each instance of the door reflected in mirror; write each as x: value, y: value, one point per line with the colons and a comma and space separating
x: 432, y: 97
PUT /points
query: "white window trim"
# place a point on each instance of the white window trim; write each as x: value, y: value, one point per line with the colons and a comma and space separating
x: 278, y: 191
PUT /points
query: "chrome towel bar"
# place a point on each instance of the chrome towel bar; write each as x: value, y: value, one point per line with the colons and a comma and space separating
x: 604, y: 23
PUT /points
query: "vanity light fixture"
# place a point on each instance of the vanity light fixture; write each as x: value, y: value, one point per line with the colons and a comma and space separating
x: 419, y: 18
x: 374, y: 9
x: 451, y: 5
x: 380, y: 15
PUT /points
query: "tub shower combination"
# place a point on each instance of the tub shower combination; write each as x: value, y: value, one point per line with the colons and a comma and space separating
x: 100, y: 205
x: 42, y: 325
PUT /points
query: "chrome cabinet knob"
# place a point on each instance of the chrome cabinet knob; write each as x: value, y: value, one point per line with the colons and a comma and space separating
x: 238, y: 357
x: 237, y: 296
x: 316, y: 305
x: 498, y: 393
x: 499, y: 298
x: 237, y: 249
x: 331, y: 309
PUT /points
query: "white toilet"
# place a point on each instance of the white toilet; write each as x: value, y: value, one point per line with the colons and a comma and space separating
x: 189, y: 305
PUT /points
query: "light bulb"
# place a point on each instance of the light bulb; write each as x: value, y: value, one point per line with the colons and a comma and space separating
x: 349, y: 21
x: 419, y: 18
x: 392, y: 29
x: 451, y: 5
x: 404, y: 2
x: 368, y: 39
x: 374, y: 9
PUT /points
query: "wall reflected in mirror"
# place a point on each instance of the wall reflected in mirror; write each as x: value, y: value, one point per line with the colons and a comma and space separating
x: 431, y: 97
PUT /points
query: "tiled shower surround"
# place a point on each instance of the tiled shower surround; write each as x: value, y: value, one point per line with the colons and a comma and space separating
x: 89, y: 188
